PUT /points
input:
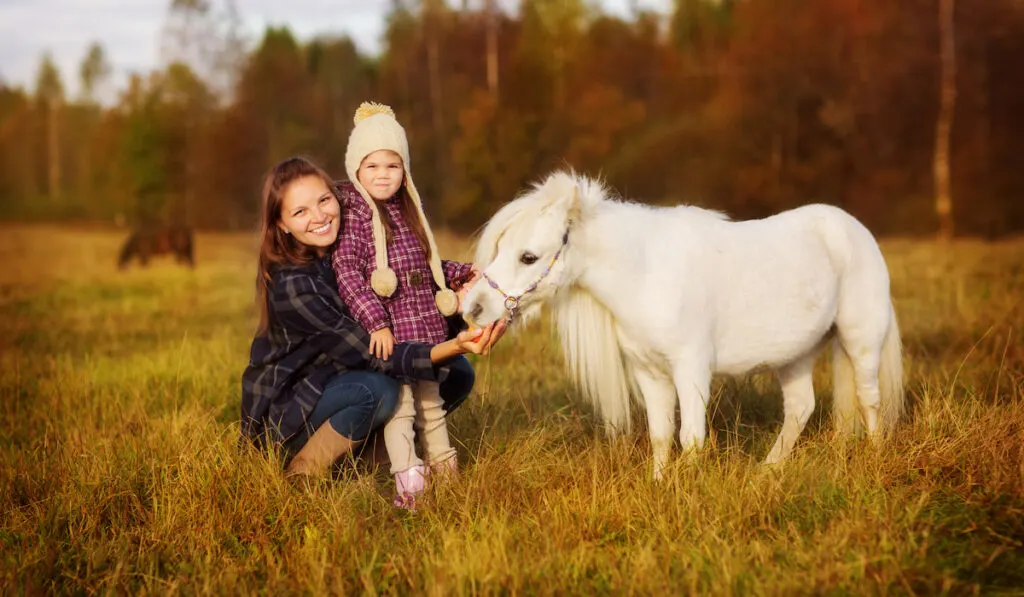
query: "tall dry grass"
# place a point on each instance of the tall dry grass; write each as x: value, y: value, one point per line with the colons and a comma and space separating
x: 120, y: 469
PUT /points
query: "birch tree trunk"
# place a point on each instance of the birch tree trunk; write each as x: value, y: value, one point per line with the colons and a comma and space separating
x: 944, y: 123
x: 437, y: 106
x: 53, y: 148
x: 492, y: 48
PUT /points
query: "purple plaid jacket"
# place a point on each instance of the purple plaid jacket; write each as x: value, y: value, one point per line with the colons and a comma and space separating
x: 410, y: 312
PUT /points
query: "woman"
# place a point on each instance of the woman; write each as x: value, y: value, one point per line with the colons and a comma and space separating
x: 311, y: 383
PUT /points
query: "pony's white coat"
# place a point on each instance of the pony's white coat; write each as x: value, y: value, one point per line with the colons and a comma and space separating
x: 653, y: 301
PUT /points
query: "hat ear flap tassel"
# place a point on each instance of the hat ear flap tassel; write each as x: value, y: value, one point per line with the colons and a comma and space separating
x: 447, y: 302
x: 384, y: 281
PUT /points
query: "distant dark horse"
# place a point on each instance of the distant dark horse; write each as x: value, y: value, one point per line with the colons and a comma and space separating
x: 148, y: 241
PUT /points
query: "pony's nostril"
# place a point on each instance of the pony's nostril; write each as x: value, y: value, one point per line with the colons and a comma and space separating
x: 476, y: 311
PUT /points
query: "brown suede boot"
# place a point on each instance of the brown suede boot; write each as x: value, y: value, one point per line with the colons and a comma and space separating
x: 320, y: 452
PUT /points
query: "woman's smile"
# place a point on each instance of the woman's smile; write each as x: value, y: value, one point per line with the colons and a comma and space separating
x: 323, y: 229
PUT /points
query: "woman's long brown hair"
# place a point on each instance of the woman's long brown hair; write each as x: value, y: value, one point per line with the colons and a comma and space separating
x: 276, y: 247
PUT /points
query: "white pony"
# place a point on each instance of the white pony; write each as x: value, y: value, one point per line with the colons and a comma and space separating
x: 653, y: 301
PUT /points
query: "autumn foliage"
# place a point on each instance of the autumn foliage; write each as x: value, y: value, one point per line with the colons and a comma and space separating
x: 747, y: 106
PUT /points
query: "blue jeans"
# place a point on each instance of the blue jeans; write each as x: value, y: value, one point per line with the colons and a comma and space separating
x: 459, y: 383
x: 354, y: 402
x: 358, y: 402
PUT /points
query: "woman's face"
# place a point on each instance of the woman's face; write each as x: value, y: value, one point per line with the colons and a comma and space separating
x: 381, y: 174
x: 310, y: 212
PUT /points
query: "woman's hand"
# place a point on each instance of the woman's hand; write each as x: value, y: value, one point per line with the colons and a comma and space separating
x: 382, y: 343
x: 480, y: 341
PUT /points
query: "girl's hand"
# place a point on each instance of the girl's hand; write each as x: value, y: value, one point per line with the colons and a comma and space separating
x: 480, y: 341
x: 382, y: 343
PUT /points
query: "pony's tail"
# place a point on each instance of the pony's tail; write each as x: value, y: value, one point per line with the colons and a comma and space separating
x: 890, y: 378
x: 592, y: 356
x: 844, y: 391
x: 890, y: 384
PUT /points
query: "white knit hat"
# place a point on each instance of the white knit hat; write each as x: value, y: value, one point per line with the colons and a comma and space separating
x: 376, y: 128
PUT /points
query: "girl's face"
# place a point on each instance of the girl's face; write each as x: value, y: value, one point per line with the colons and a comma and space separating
x: 381, y: 173
x: 310, y: 212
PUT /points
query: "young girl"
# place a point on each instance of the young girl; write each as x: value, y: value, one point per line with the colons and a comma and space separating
x: 390, y: 276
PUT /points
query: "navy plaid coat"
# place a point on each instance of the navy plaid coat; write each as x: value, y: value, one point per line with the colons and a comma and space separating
x: 310, y: 338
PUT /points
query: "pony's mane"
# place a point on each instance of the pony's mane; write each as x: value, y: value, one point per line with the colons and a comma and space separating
x: 593, y: 192
x: 711, y: 214
x: 543, y: 195
x: 530, y: 204
x: 487, y: 244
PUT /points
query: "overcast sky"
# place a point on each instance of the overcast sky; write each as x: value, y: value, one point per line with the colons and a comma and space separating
x: 129, y: 30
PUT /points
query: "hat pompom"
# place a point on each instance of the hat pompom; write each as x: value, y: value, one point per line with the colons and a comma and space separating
x: 368, y: 109
x: 384, y: 281
x: 446, y: 301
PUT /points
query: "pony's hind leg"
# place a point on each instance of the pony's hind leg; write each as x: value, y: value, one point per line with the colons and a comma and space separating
x: 798, y: 404
x: 865, y: 373
x: 862, y: 323
x: 660, y: 401
x: 863, y: 346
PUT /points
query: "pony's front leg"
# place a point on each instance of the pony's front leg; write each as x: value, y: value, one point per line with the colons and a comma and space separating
x: 693, y: 384
x: 660, y: 401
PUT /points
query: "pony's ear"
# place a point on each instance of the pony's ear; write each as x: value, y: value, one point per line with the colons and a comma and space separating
x: 568, y: 205
x: 575, y: 209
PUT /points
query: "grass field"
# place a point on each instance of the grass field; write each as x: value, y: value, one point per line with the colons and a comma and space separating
x: 120, y: 469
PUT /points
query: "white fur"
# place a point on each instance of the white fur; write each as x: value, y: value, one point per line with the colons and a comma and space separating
x: 653, y: 301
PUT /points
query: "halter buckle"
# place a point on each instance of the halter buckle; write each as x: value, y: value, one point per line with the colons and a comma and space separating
x: 511, y: 304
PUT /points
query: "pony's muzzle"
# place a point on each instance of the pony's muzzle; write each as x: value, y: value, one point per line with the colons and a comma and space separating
x: 472, y: 310
x: 475, y: 310
x: 475, y: 313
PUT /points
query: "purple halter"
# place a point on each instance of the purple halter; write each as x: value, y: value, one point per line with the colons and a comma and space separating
x: 512, y: 301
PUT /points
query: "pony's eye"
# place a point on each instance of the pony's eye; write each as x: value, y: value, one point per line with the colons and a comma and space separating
x: 528, y: 258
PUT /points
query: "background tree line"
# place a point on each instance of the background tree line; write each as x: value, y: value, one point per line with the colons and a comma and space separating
x: 750, y: 106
